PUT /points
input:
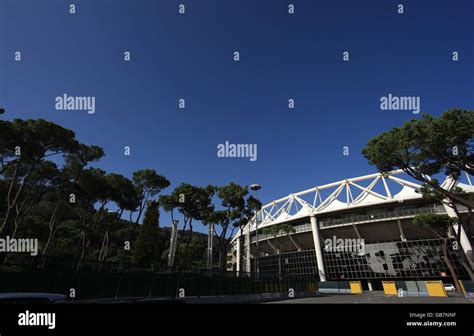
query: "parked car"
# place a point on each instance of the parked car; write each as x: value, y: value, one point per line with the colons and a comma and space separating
x: 27, y: 298
x: 449, y: 288
x: 132, y: 300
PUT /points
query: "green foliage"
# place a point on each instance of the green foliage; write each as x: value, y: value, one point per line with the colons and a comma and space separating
x: 436, y: 196
x: 191, y: 201
x: 147, y: 181
x: 278, y: 229
x: 35, y: 138
x: 194, y: 203
x: 122, y: 192
x: 237, y: 210
x: 426, y: 146
x: 146, y: 249
x: 435, y: 222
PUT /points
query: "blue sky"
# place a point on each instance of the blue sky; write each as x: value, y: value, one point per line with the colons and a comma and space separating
x: 191, y: 56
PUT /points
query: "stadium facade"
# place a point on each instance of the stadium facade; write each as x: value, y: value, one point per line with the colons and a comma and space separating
x: 354, y: 229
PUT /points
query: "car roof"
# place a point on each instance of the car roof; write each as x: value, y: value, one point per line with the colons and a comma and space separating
x: 49, y: 296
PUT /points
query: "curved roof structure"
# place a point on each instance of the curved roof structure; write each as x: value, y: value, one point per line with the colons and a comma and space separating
x: 368, y: 190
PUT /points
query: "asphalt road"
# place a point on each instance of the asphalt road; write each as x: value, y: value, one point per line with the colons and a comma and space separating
x: 375, y: 297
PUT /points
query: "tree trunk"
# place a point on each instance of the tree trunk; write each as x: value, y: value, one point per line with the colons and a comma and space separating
x: 159, y: 245
x: 82, y: 243
x: 52, y: 230
x: 460, y: 251
x: 179, y: 239
x: 221, y: 267
x: 467, y: 267
x: 223, y: 257
x: 467, y: 229
x: 188, y: 241
x: 450, y: 266
x: 95, y: 222
x: 6, y: 227
x: 279, y: 266
x: 105, y: 241
x: 221, y: 248
x: 135, y: 226
x: 79, y: 264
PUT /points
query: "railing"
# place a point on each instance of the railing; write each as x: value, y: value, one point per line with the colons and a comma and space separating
x: 88, y: 284
x: 298, y: 229
x: 377, y: 216
x: 360, y: 219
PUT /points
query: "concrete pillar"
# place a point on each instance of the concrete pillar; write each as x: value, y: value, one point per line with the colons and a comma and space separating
x: 451, y: 233
x: 247, y: 250
x: 369, y: 284
x: 317, y: 248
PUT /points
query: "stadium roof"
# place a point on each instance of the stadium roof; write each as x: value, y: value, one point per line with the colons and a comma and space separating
x: 368, y: 190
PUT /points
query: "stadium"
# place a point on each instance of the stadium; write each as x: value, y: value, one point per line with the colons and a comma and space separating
x: 373, y: 213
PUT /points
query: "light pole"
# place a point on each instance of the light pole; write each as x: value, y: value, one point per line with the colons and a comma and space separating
x: 210, y: 235
x: 255, y: 188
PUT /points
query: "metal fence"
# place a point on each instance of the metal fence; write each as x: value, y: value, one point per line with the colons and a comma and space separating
x: 87, y: 285
x: 26, y: 263
x: 59, y: 275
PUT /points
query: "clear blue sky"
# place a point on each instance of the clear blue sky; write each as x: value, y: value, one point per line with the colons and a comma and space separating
x: 191, y: 56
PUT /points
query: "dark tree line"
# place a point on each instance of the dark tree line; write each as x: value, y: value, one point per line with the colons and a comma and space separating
x: 51, y: 189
